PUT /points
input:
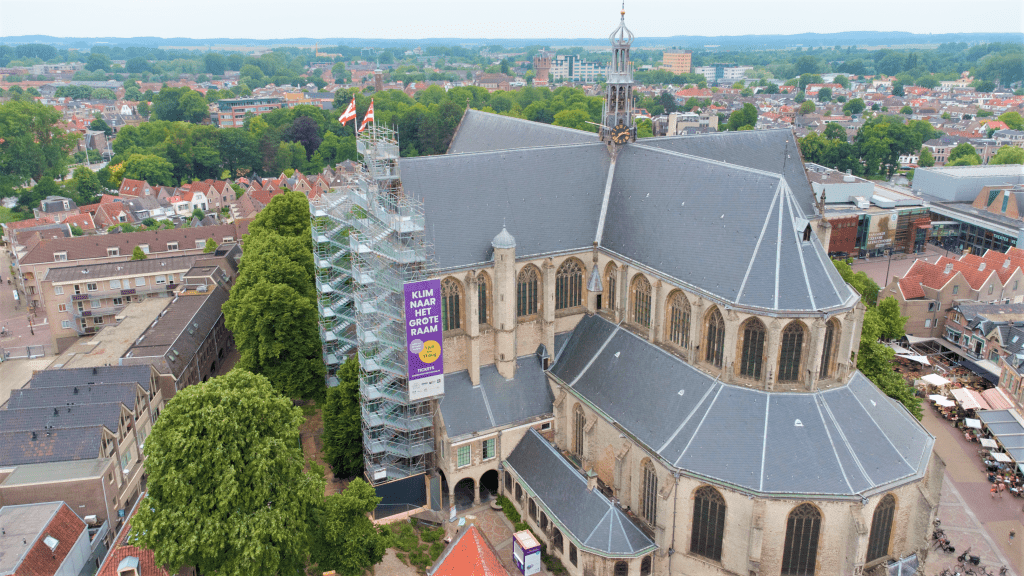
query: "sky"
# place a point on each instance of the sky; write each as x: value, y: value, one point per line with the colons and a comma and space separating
x: 414, y: 19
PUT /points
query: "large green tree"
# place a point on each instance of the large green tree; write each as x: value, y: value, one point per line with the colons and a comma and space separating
x: 1012, y: 119
x: 226, y: 492
x: 925, y: 159
x: 1008, y: 155
x: 151, y: 168
x: 272, y: 309
x: 963, y: 154
x: 875, y: 359
x: 744, y: 118
x: 343, y: 440
x: 344, y: 538
x: 32, y: 144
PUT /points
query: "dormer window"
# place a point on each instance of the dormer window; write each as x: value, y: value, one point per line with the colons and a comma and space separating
x: 172, y: 245
x: 113, y: 251
x: 60, y: 256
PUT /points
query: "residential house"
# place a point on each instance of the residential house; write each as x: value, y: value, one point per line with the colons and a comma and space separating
x: 131, y: 187
x: 127, y: 559
x: 984, y: 333
x: 56, y: 207
x: 928, y: 290
x: 112, y: 214
x: 34, y: 262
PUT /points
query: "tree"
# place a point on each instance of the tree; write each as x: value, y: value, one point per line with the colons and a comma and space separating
x: 76, y: 230
x: 806, y: 107
x: 138, y: 254
x: 825, y: 95
x: 835, y: 131
x: 33, y: 145
x: 343, y: 440
x: 224, y: 462
x: 854, y: 106
x: 771, y: 88
x: 180, y: 104
x: 210, y: 247
x: 198, y: 213
x: 87, y: 184
x: 100, y: 125
x: 305, y: 131
x: 906, y: 110
x: 897, y: 89
x: 215, y: 63
x: 925, y: 158
x: 238, y: 150
x: 966, y: 152
x: 1008, y: 155
x: 574, y: 118
x: 1012, y: 119
x: 860, y: 281
x: 151, y: 168
x: 272, y: 309
x: 345, y: 540
x: 644, y: 129
x: 744, y: 118
x: 842, y: 81
x: 97, y: 61
x: 136, y: 65
x: 340, y: 74
x: 985, y: 86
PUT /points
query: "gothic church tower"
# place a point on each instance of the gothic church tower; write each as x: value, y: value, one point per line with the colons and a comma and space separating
x: 617, y: 120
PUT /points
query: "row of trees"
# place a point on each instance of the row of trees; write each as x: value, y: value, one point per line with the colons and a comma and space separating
x: 882, y: 320
x: 227, y: 493
x: 875, y: 150
x: 272, y: 310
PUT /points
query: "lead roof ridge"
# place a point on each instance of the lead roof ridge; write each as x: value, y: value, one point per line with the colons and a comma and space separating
x: 711, y: 161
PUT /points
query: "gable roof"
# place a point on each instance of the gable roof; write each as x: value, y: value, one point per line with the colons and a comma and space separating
x: 124, y: 551
x: 762, y: 442
x: 483, y: 132
x: 35, y: 396
x: 494, y: 402
x: 95, y: 246
x: 471, y: 554
x: 106, y: 414
x: 741, y: 201
x: 26, y: 529
x: 92, y: 375
x: 38, y: 446
x: 588, y: 516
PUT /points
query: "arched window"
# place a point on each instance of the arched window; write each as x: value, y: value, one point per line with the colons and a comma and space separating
x: 649, y: 493
x: 621, y: 568
x: 789, y: 357
x: 753, y: 348
x: 800, y: 553
x: 451, y: 302
x: 641, y: 296
x: 828, y: 346
x: 556, y: 539
x: 543, y: 521
x: 645, y: 566
x: 483, y: 289
x: 526, y: 292
x: 716, y: 338
x: 708, y: 523
x: 508, y: 481
x: 679, y: 320
x: 611, y: 274
x: 533, y: 509
x: 572, y: 553
x: 579, y: 420
x: 881, y: 528
x: 569, y: 285
x: 519, y: 492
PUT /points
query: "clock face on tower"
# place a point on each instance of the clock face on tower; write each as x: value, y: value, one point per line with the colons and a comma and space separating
x: 620, y: 134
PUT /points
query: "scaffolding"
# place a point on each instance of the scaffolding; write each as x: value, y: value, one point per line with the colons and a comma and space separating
x: 369, y: 242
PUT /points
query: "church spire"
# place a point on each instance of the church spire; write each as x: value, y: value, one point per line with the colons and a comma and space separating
x: 617, y: 118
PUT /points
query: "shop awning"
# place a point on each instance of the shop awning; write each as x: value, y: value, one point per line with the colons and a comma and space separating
x: 993, y: 416
x: 915, y: 358
x: 935, y: 380
x: 1012, y: 441
x: 945, y: 403
x: 989, y: 443
x: 997, y: 399
x: 1017, y: 454
x: 936, y: 397
x: 973, y: 423
x: 969, y: 399
x: 980, y: 370
x: 1000, y: 457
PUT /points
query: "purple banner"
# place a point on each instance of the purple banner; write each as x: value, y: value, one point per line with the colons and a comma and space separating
x: 423, y: 339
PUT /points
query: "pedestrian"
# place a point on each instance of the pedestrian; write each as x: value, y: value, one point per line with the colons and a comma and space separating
x: 1001, y: 488
x: 992, y: 491
x: 1012, y: 534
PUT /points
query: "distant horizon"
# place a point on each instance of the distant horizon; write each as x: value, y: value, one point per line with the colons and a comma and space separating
x: 410, y: 20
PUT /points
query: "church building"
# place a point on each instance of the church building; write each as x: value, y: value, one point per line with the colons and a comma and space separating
x: 648, y: 351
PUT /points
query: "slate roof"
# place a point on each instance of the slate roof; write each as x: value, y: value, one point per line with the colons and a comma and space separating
x: 532, y: 192
x: 106, y: 414
x: 483, y: 132
x: 495, y: 401
x: 35, y: 396
x: 587, y: 515
x: 673, y: 203
x: 19, y: 447
x: 92, y: 375
x: 174, y: 264
x: 854, y: 439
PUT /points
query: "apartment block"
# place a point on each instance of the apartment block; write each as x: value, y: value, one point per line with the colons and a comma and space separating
x: 231, y: 112
x: 678, y: 61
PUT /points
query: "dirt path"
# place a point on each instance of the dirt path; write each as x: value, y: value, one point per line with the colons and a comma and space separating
x: 311, y: 434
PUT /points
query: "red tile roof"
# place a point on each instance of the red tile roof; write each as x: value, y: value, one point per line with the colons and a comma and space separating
x: 975, y: 269
x: 132, y: 187
x: 470, y: 555
x: 122, y: 549
x: 30, y: 223
x: 911, y: 287
x: 65, y: 527
x: 83, y: 221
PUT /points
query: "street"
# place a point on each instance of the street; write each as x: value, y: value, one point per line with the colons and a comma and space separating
x: 18, y: 329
